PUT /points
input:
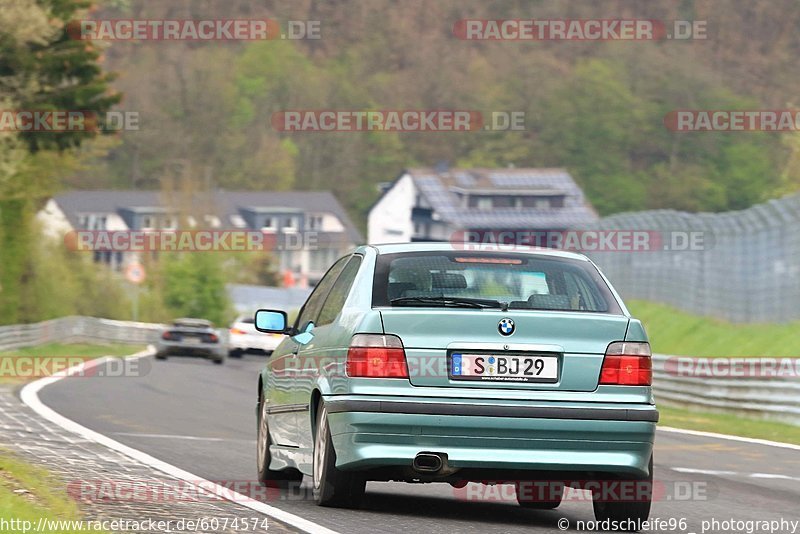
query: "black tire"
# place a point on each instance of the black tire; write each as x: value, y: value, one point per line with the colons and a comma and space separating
x: 235, y: 353
x: 219, y: 361
x: 266, y: 476
x: 161, y: 356
x: 529, y: 497
x: 332, y: 486
x: 631, y: 512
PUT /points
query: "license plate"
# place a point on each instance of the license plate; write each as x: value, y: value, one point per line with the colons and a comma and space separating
x: 503, y: 368
x: 191, y: 340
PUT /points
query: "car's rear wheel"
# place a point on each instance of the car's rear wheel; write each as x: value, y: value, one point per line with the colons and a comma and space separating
x: 629, y: 513
x: 535, y: 496
x: 267, y: 476
x: 235, y: 353
x: 332, y: 486
x: 161, y: 356
x: 219, y: 361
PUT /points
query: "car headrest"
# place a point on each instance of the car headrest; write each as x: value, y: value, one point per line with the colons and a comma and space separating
x: 421, y: 278
x: 448, y: 281
x: 398, y: 289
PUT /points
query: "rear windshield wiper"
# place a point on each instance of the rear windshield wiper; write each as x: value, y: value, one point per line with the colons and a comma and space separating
x: 455, y: 302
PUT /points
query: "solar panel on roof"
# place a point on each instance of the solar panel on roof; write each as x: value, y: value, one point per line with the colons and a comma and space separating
x: 538, y: 179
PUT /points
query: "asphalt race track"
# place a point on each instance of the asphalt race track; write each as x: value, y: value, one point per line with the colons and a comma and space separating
x: 201, y: 418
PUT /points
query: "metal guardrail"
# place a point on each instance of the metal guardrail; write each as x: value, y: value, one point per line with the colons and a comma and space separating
x: 766, y: 398
x: 77, y: 329
x: 773, y: 398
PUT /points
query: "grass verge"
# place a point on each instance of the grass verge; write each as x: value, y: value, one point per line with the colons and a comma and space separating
x: 681, y: 334
x: 60, y: 354
x: 27, y: 494
x: 729, y: 424
x: 675, y: 332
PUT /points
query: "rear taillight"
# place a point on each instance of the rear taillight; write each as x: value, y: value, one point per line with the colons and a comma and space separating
x: 627, y: 364
x: 376, y: 356
x: 212, y: 338
x: 166, y: 335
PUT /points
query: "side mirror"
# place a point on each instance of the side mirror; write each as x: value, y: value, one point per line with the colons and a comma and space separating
x: 271, y: 321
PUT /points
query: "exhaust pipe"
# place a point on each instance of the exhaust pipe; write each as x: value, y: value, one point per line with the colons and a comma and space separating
x: 428, y: 462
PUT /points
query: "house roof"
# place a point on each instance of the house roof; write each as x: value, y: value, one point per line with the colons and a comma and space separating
x: 224, y: 204
x: 441, y: 188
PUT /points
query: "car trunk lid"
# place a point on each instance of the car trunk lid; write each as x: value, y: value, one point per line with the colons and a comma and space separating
x: 574, y: 342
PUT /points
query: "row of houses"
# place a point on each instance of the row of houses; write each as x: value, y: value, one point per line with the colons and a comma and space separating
x: 287, y: 218
x: 421, y: 204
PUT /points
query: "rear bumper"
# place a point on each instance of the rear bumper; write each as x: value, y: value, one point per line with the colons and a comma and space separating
x: 211, y: 351
x: 535, y: 436
x: 264, y: 342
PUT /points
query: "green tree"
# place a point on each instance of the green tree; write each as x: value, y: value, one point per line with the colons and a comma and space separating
x: 194, y: 286
x: 591, y: 127
x: 41, y: 68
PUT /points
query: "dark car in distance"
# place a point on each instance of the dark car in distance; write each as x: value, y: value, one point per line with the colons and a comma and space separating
x: 193, y: 338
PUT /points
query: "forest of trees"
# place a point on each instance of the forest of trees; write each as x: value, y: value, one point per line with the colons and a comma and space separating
x: 596, y: 108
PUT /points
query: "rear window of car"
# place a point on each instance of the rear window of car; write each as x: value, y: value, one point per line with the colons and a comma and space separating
x: 518, y: 281
x: 192, y: 323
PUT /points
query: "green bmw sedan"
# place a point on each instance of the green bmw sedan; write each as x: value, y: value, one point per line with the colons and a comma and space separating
x: 432, y: 362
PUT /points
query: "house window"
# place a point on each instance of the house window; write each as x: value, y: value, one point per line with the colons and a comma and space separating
x: 268, y: 225
x: 96, y: 222
x: 314, y: 222
x: 422, y: 229
x: 542, y: 203
x: 148, y: 223
x: 92, y: 222
x: 518, y: 203
x: 290, y: 224
x: 169, y: 223
x: 484, y: 203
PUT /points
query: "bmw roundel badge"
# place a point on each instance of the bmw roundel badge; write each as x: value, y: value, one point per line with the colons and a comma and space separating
x: 506, y: 326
